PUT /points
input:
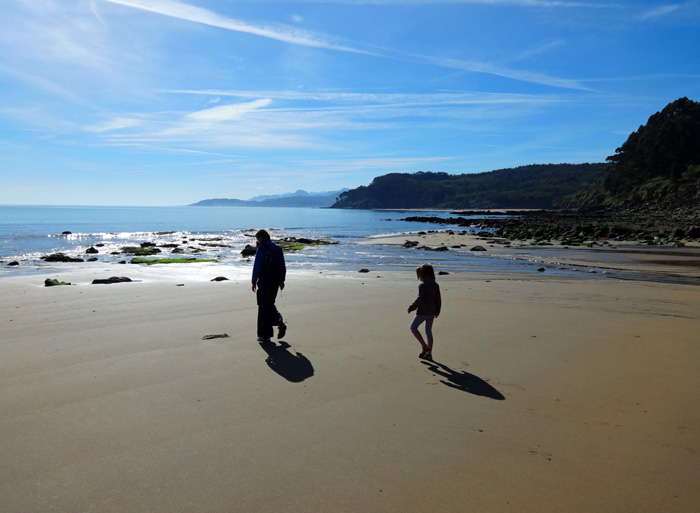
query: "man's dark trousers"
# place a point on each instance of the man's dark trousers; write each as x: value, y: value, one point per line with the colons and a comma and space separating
x: 268, y: 316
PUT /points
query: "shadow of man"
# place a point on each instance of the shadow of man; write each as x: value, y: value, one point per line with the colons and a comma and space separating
x: 464, y: 381
x: 292, y: 367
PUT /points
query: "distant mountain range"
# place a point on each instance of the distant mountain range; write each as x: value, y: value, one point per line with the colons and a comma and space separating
x: 299, y: 198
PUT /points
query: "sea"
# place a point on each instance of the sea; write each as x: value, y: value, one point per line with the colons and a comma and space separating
x: 29, y: 232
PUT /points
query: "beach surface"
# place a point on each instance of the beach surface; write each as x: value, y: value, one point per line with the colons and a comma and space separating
x: 623, y: 259
x: 547, y: 394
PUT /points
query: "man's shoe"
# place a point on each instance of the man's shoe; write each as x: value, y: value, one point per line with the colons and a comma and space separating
x: 264, y: 340
x: 283, y: 330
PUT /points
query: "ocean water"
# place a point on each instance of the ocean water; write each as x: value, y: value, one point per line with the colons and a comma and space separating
x: 29, y: 232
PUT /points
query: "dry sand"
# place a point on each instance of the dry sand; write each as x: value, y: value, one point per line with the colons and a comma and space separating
x: 549, y: 394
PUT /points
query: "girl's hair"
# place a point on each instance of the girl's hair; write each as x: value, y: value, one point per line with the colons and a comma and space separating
x: 262, y: 234
x: 425, y: 272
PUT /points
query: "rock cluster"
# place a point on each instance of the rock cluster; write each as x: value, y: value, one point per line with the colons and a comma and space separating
x: 289, y: 244
x: 113, y: 279
x: 577, y: 227
x: 60, y: 257
x: 649, y: 226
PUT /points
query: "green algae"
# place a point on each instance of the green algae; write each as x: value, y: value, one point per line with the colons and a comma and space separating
x: 151, y: 261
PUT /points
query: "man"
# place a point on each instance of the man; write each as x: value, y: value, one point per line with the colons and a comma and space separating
x: 269, y: 272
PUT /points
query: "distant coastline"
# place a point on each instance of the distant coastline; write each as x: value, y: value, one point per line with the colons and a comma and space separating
x: 298, y: 199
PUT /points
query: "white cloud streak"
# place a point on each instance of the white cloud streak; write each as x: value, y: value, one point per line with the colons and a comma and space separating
x: 310, y: 120
x: 679, y: 13
x: 523, y: 3
x: 385, y: 99
x: 345, y: 165
x: 191, y: 13
x: 117, y: 123
x: 295, y: 36
x: 658, y: 12
x: 228, y: 112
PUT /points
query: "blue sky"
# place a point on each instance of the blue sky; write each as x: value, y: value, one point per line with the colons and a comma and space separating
x: 160, y: 102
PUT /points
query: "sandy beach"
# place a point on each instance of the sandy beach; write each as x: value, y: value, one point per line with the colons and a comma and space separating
x: 625, y: 259
x: 547, y: 394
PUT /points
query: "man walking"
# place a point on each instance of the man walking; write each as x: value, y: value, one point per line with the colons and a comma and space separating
x: 269, y: 272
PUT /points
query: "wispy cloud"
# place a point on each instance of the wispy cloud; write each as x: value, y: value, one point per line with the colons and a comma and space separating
x: 65, y: 51
x: 345, y: 165
x: 55, y: 34
x: 679, y: 12
x: 524, y: 3
x: 296, y: 36
x: 224, y: 127
x: 543, y: 48
x: 285, y: 34
x: 44, y: 84
x: 533, y: 77
x: 393, y: 99
x: 304, y: 120
x: 164, y: 150
x: 658, y: 12
x: 638, y: 78
x: 228, y: 112
x: 117, y: 123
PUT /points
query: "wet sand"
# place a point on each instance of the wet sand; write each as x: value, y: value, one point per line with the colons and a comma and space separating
x: 626, y: 260
x: 548, y: 394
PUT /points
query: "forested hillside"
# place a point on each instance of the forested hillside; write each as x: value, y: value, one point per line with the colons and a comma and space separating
x: 534, y: 186
x: 658, y: 167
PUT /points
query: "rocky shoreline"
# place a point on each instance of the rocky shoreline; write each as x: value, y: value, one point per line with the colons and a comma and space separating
x: 672, y: 228
x: 173, y: 253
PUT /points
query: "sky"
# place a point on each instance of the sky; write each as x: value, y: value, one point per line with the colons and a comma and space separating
x: 164, y: 102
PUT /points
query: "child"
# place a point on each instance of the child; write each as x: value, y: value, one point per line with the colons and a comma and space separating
x: 428, y: 304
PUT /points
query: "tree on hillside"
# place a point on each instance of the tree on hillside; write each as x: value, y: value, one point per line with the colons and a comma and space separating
x: 535, y: 186
x: 665, y: 147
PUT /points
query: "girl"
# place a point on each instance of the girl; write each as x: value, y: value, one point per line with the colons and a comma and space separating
x: 428, y: 304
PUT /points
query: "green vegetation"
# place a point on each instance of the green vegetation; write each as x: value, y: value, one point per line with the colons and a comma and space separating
x: 151, y: 261
x: 657, y: 167
x: 139, y: 251
x: 665, y: 147
x: 296, y: 244
x: 535, y: 186
x: 53, y: 283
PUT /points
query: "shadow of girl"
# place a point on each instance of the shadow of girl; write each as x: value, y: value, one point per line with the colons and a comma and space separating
x: 294, y: 367
x: 464, y: 381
